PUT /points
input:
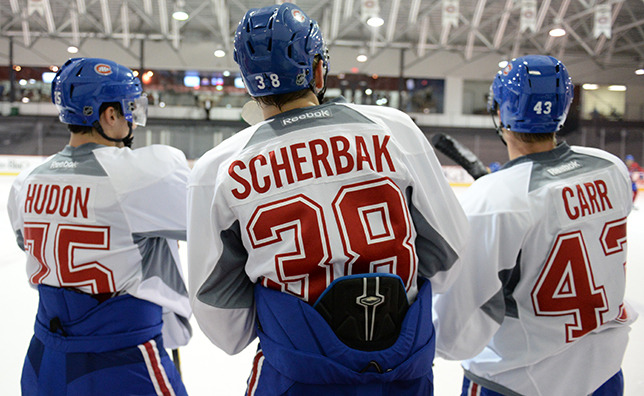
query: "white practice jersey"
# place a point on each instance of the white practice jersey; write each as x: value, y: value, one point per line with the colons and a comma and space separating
x: 307, y: 197
x: 106, y: 220
x: 543, y: 275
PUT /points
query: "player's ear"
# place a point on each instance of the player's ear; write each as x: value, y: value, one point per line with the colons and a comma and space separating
x: 110, y: 115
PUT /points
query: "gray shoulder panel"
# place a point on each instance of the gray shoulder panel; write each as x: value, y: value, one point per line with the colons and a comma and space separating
x: 434, y: 253
x: 159, y: 262
x: 73, y: 161
x: 228, y: 286
x: 558, y: 164
x: 323, y: 115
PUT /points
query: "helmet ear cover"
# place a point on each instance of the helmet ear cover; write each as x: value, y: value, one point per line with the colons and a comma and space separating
x: 533, y: 94
x: 275, y: 48
x: 88, y: 128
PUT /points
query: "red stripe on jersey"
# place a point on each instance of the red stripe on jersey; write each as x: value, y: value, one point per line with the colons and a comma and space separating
x: 255, y: 373
x: 474, y: 389
x: 155, y: 369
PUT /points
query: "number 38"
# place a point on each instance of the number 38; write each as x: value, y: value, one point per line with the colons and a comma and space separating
x: 274, y: 81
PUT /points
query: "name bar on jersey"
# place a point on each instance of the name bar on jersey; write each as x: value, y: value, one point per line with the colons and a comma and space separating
x: 306, y: 160
x: 54, y: 199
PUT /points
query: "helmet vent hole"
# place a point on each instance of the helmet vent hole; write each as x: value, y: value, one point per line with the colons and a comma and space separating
x: 248, y: 27
x: 250, y: 48
x: 270, y: 44
x: 270, y: 23
x: 290, y: 51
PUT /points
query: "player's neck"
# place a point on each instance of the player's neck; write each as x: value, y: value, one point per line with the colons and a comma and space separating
x: 306, y: 101
x: 518, y: 148
x: 78, y: 139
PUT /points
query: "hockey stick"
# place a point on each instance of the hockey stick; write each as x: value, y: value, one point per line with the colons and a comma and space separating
x: 176, y: 360
x: 459, y: 154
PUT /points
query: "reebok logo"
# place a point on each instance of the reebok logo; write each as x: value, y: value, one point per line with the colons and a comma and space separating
x: 567, y: 167
x: 307, y: 115
x: 63, y: 165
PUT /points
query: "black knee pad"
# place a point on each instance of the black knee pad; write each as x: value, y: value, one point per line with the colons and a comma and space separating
x: 365, y: 311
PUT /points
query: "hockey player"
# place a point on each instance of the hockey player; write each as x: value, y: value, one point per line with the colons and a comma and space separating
x: 322, y: 229
x: 541, y: 293
x: 100, y: 226
x: 636, y: 172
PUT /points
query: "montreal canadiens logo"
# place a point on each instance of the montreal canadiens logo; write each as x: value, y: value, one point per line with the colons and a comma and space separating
x: 507, y: 69
x: 103, y: 69
x: 298, y: 16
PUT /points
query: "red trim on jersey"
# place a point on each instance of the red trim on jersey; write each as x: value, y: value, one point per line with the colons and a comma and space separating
x: 155, y: 369
x: 253, y: 380
x: 474, y: 389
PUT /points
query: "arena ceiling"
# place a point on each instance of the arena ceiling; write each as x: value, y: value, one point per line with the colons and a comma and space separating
x: 143, y: 33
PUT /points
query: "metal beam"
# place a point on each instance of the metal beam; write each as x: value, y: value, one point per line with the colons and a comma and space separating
x: 393, y: 17
x: 503, y: 23
x: 49, y: 17
x: 222, y: 13
x: 26, y: 33
x: 413, y: 12
x: 335, y: 19
x: 125, y: 24
x: 176, y: 38
x: 476, y: 21
x: 633, y: 17
x: 142, y: 14
x: 348, y: 9
x: 445, y: 34
x: 75, y: 31
x: 541, y: 15
x: 629, y: 26
x: 422, y: 38
x: 107, y: 18
x: 15, y: 6
x: 147, y: 7
x: 163, y: 17
x: 576, y: 36
x: 80, y: 5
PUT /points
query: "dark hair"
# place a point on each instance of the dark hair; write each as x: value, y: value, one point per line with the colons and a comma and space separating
x: 280, y: 100
x: 534, y: 137
x: 85, y: 129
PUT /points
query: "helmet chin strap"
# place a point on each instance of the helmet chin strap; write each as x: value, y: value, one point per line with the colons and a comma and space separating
x: 498, y: 127
x: 127, y: 141
x: 320, y: 94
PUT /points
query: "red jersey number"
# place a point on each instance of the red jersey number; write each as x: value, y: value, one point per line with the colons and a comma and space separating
x: 566, y: 285
x: 69, y: 239
x: 374, y: 225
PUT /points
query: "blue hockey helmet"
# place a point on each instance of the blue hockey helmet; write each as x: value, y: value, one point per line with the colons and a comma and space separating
x: 82, y: 85
x: 275, y: 47
x: 533, y: 94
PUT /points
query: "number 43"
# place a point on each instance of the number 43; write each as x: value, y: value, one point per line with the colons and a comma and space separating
x: 543, y: 107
